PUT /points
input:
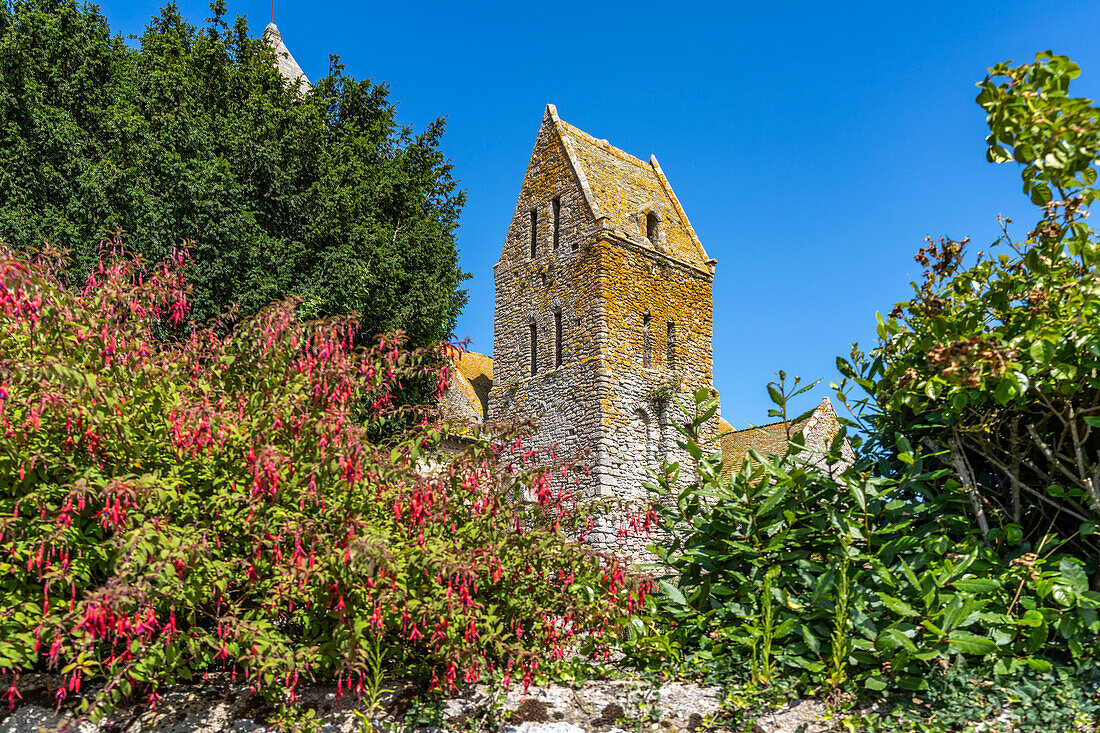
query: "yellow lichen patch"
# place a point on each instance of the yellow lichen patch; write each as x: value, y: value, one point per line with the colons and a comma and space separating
x: 467, y: 396
x: 478, y: 372
x: 625, y: 188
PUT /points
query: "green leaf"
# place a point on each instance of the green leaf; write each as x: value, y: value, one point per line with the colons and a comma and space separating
x: 976, y: 585
x: 1031, y: 618
x: 1072, y: 571
x: 902, y: 640
x: 898, y: 606
x: 812, y: 642
x: 672, y: 593
x: 971, y: 643
x: 1041, y: 666
x: 876, y: 683
x: 1042, y: 351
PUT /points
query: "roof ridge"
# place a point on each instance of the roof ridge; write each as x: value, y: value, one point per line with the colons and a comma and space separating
x: 772, y: 425
x: 571, y: 156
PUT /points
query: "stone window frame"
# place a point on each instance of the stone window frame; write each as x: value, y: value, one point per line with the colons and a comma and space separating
x: 650, y: 423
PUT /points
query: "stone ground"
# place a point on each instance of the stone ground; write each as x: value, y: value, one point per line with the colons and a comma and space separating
x: 218, y: 706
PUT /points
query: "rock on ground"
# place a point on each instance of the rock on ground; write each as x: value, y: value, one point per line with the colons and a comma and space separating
x: 217, y: 706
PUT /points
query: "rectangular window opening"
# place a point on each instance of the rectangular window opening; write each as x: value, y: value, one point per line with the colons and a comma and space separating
x: 534, y: 232
x: 557, y: 339
x: 533, y: 350
x: 557, y: 221
x: 647, y: 343
x: 670, y: 346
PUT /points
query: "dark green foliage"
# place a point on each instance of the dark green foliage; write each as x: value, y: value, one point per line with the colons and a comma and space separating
x: 194, y: 135
x: 1061, y: 700
x: 816, y: 571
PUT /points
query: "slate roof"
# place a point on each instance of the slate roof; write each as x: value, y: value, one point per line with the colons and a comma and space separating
x: 619, y: 186
x: 286, y: 64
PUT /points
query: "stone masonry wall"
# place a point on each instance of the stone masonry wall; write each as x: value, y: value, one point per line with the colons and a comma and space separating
x: 531, y: 291
x: 640, y: 284
x: 611, y: 395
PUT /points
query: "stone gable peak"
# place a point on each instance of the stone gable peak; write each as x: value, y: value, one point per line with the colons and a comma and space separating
x: 631, y: 195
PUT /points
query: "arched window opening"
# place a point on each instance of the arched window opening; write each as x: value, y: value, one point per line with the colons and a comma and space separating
x: 646, y: 436
x: 652, y: 228
x: 533, y: 349
x: 647, y: 341
x: 670, y: 346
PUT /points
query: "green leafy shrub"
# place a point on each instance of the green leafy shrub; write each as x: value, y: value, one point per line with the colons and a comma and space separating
x: 963, y: 535
x: 818, y: 572
x: 994, y: 365
x: 171, y: 509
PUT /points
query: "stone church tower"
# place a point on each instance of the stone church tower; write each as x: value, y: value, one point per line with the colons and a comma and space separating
x: 603, y: 308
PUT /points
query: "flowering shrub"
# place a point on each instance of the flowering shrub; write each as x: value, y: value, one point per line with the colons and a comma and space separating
x: 168, y: 509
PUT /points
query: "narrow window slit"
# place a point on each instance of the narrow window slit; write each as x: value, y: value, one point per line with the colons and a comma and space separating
x: 647, y: 342
x: 557, y: 221
x: 533, y: 349
x: 670, y: 346
x: 557, y: 339
x: 534, y: 232
x: 652, y: 228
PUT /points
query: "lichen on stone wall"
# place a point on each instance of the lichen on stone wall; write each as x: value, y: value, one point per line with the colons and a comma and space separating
x: 624, y: 275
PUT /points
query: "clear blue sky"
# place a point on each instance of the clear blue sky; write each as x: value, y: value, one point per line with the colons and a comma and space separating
x: 813, y: 145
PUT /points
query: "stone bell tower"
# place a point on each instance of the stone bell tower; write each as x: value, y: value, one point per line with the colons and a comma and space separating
x: 603, y: 308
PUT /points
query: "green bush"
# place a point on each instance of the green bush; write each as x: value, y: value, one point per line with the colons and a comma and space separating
x: 824, y: 575
x: 994, y: 365
x: 962, y: 537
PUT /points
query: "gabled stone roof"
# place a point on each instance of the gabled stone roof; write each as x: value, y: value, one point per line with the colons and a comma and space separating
x: 819, y: 429
x: 284, y: 62
x: 467, y: 397
x: 623, y: 188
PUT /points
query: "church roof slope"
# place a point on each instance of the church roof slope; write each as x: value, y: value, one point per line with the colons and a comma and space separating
x: 623, y: 188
